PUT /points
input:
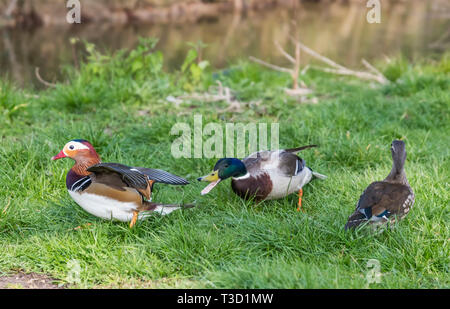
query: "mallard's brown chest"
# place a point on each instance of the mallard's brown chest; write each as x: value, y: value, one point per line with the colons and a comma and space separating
x: 253, y: 187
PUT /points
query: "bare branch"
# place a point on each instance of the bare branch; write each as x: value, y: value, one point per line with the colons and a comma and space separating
x: 359, y: 74
x: 269, y: 65
x: 316, y: 55
x: 38, y: 76
x: 284, y: 53
x: 373, y: 69
x: 305, y: 69
x: 341, y: 70
x: 296, y: 70
x: 293, y: 72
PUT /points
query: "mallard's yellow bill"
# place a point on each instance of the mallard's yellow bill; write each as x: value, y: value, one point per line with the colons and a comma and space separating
x: 213, y: 178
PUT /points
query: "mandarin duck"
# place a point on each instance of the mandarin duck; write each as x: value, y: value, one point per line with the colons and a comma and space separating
x: 264, y: 175
x: 113, y: 190
x: 384, y: 201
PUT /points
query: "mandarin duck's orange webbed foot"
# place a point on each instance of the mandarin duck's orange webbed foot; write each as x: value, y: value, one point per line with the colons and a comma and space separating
x: 134, y: 219
x: 300, y: 194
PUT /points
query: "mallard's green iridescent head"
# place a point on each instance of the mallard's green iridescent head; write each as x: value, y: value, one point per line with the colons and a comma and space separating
x: 224, y: 168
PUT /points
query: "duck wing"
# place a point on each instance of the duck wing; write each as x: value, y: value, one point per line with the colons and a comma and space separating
x: 119, y: 176
x: 292, y: 164
x: 283, y: 161
x: 162, y: 176
x: 289, y: 164
x: 258, y: 161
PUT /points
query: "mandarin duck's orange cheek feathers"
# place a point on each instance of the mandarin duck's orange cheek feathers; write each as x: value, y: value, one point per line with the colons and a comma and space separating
x: 74, y: 148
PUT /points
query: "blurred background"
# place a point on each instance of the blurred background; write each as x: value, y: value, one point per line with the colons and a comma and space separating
x: 35, y: 33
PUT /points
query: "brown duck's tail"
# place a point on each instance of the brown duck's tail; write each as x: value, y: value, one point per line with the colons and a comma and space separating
x: 165, y: 209
x: 355, y: 220
x: 295, y: 150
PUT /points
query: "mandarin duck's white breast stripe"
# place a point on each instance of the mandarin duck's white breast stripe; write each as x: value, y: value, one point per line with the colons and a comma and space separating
x: 75, y: 187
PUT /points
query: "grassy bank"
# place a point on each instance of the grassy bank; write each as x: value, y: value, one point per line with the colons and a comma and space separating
x: 119, y: 103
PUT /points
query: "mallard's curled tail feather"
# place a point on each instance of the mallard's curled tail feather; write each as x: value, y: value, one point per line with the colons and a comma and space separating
x: 295, y: 150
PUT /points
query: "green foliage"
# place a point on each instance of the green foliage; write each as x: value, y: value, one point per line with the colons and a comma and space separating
x: 108, y: 79
x: 141, y: 63
x: 194, y: 70
x: 12, y: 102
x: 225, y: 242
x: 395, y: 68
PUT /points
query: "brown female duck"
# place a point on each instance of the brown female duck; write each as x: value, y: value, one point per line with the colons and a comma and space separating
x: 383, y: 201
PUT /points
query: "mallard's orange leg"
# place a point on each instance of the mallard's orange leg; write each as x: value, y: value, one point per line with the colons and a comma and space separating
x: 133, y: 220
x: 300, y: 194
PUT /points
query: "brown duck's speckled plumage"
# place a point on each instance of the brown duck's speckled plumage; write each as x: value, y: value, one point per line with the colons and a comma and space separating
x: 388, y: 199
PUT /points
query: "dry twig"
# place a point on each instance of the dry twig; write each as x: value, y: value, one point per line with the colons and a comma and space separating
x: 336, y: 68
x: 38, y: 76
x: 216, y: 94
x: 294, y: 72
x: 6, y: 207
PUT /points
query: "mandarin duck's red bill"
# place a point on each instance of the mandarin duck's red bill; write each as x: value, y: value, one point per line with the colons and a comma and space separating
x: 263, y: 175
x: 113, y: 190
x: 60, y: 155
x: 388, y: 200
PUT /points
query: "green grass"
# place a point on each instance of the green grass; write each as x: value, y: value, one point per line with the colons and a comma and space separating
x: 225, y: 242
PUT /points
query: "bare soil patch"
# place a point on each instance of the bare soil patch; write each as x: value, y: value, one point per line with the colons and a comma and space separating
x: 27, y: 281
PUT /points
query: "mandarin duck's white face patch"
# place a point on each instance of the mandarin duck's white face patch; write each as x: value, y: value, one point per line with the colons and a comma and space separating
x: 72, y: 147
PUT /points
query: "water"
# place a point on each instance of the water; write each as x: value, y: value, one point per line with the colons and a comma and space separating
x: 414, y: 29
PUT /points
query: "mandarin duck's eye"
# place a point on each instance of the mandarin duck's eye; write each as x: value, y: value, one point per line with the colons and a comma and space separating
x: 71, y: 147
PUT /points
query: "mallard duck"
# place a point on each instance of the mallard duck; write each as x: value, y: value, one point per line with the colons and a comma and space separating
x: 113, y: 190
x: 264, y: 175
x: 384, y: 201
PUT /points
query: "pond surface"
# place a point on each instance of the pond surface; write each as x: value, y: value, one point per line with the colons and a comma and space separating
x: 341, y: 32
